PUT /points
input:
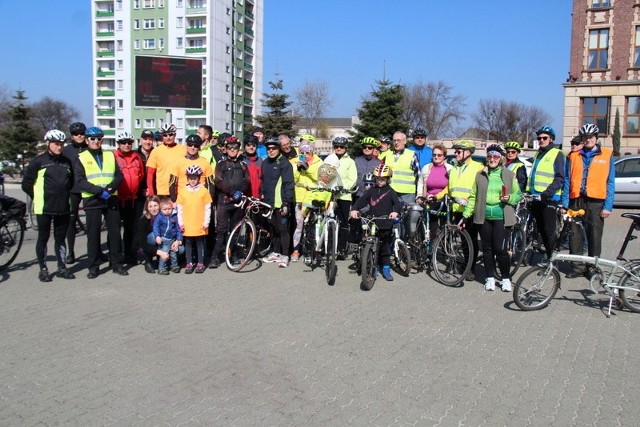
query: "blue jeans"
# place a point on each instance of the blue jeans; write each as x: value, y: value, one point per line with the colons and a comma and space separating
x: 166, y: 246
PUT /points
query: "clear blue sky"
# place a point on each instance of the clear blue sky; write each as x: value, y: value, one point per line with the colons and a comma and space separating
x: 505, y: 49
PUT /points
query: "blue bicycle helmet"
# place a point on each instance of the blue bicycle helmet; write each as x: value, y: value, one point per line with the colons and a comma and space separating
x: 94, y: 131
x: 548, y: 130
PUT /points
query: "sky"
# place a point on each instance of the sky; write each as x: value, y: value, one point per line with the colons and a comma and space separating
x: 505, y: 49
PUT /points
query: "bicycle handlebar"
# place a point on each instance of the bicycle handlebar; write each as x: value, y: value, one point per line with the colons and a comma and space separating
x: 253, y: 204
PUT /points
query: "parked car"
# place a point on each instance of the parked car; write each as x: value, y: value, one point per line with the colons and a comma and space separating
x: 627, y: 182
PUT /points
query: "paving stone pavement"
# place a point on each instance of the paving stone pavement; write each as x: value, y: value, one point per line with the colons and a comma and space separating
x: 280, y: 347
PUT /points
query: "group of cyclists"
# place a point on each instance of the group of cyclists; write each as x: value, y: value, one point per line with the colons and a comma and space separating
x: 171, y: 205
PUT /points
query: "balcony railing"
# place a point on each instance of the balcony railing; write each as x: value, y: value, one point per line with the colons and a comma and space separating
x: 104, y: 53
x: 109, y: 92
x: 196, y: 10
x: 109, y: 131
x: 198, y: 30
x: 105, y: 34
x: 248, y: 66
x: 196, y: 50
x: 108, y: 112
x: 104, y: 14
x: 249, y: 14
x: 106, y: 73
x: 248, y: 49
x: 249, y: 31
x: 248, y: 83
x: 201, y: 112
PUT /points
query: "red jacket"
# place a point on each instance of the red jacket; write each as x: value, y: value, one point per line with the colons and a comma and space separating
x: 132, y: 169
x: 254, y: 165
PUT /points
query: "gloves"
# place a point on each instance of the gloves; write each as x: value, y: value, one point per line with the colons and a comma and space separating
x: 284, y: 211
x: 105, y: 195
x: 546, y: 196
x: 303, y: 166
x: 237, y: 196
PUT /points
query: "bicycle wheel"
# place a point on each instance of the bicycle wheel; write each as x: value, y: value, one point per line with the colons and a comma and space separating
x: 418, y: 250
x: 631, y: 297
x: 535, y: 288
x: 309, y: 241
x: 449, y: 262
x: 401, y: 258
x: 11, y: 238
x: 368, y: 266
x: 240, y: 245
x: 263, y: 245
x: 330, y: 268
x: 33, y: 221
x: 516, y: 247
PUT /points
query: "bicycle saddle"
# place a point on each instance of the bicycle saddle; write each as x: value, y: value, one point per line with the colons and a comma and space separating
x: 634, y: 216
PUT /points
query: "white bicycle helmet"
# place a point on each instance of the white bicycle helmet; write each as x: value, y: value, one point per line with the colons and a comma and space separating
x: 55, y: 135
x: 168, y: 127
x: 124, y: 136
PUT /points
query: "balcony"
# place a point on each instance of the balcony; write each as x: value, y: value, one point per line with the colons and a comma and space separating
x: 249, y: 14
x: 248, y: 101
x: 105, y: 34
x: 199, y: 30
x: 105, y: 73
x: 196, y: 112
x: 104, y: 53
x: 196, y: 50
x: 196, y: 11
x: 109, y: 131
x: 104, y: 14
x: 248, y: 83
x: 249, y: 31
x: 107, y: 112
x: 248, y: 66
x: 108, y: 92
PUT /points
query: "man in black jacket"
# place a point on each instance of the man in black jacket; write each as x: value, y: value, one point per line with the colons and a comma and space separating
x: 71, y: 152
x: 48, y: 180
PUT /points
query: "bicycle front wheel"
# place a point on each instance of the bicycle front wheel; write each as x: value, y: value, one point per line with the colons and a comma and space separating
x: 11, y: 238
x: 452, y: 255
x: 631, y: 295
x: 535, y: 288
x: 516, y: 246
x: 368, y: 266
x: 402, y: 258
x: 240, y: 245
x: 330, y: 268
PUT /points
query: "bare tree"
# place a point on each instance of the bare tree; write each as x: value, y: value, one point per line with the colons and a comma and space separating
x: 50, y: 114
x: 312, y: 102
x: 433, y: 106
x: 508, y: 121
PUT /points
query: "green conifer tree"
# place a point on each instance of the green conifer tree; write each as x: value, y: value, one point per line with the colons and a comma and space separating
x: 278, y: 117
x: 18, y: 140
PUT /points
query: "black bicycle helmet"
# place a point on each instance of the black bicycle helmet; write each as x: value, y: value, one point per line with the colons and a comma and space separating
x: 77, y: 128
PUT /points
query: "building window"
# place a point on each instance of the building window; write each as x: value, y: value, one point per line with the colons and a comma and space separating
x: 636, y: 51
x: 179, y: 22
x: 148, y: 4
x: 160, y: 43
x: 228, y: 30
x: 136, y: 4
x: 118, y: 44
x: 227, y: 88
x: 179, y: 122
x: 120, y: 123
x: 118, y: 4
x: 149, y: 24
x: 599, y: 4
x: 179, y: 3
x: 120, y: 64
x: 120, y: 104
x: 120, y: 84
x: 198, y: 3
x: 119, y: 25
x: 228, y: 69
x: 138, y: 123
x: 149, y: 123
x: 633, y: 115
x: 160, y: 22
x: 227, y: 107
x: 136, y: 24
x: 598, y: 48
x: 596, y: 110
x: 228, y: 49
x: 179, y: 43
x: 228, y: 11
x: 136, y: 44
x: 149, y: 43
x: 160, y: 3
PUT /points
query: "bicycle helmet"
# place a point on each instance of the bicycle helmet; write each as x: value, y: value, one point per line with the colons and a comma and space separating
x: 194, y: 170
x: 194, y: 140
x: 157, y: 135
x: 168, y: 128
x: 589, y: 129
x: 465, y: 144
x: 368, y: 178
x: 147, y: 134
x: 382, y: 171
x: 370, y: 141
x: 77, y: 128
x: 232, y: 141
x: 340, y: 141
x: 495, y: 149
x: 307, y: 137
x: 124, y: 136
x: 385, y: 139
x: 513, y: 145
x: 215, y: 134
x: 55, y: 135
x: 419, y: 131
x: 272, y: 141
x: 250, y: 139
x: 222, y: 139
x: 94, y: 131
x: 548, y: 130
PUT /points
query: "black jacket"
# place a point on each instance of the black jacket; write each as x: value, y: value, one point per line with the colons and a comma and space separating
x: 71, y: 152
x: 277, y: 171
x: 381, y: 201
x: 231, y: 176
x: 52, y: 178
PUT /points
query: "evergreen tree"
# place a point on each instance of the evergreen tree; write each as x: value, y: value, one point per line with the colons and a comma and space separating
x: 616, y: 134
x: 380, y: 114
x: 278, y: 118
x: 18, y: 138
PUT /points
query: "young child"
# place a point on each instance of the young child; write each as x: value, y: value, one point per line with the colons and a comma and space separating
x: 194, y: 214
x: 381, y: 200
x: 167, y: 235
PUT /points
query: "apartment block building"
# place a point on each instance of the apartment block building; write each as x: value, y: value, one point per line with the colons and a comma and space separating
x: 225, y: 35
x: 604, y: 70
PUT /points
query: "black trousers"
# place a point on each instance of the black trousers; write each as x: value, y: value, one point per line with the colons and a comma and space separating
x: 342, y: 212
x: 60, y: 227
x: 128, y: 211
x: 111, y: 216
x: 281, y: 242
x: 227, y: 216
x: 546, y: 216
x: 74, y: 201
x: 593, y: 227
x: 494, y: 237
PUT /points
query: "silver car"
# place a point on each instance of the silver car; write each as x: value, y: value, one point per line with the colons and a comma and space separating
x: 627, y: 182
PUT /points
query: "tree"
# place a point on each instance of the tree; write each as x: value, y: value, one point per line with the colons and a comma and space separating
x: 432, y: 106
x: 278, y: 118
x: 509, y: 121
x: 312, y: 101
x: 616, y: 134
x: 50, y: 114
x: 19, y: 139
x: 381, y: 112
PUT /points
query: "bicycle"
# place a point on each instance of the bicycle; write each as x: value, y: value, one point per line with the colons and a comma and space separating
x: 417, y: 223
x: 401, y: 255
x: 249, y: 236
x: 33, y: 221
x: 366, y: 258
x: 545, y: 281
x: 12, y: 229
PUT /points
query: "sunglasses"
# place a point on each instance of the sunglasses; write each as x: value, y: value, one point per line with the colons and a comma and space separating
x: 342, y: 147
x: 95, y: 138
x: 438, y: 155
x: 368, y: 184
x: 367, y: 147
x: 458, y: 152
x: 512, y: 152
x: 77, y: 134
x: 272, y: 148
x: 125, y: 142
x: 169, y: 134
x: 191, y: 144
x: 233, y: 147
x: 576, y: 143
x: 543, y: 138
x: 249, y: 144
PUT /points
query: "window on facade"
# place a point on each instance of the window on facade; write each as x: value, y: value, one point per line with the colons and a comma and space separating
x: 160, y: 22
x: 149, y: 43
x: 178, y: 3
x: 228, y: 49
x: 136, y: 4
x: 198, y: 3
x: 120, y: 123
x: 149, y: 123
x: 160, y: 3
x: 136, y: 44
x: 138, y: 123
x: 120, y: 104
x: 179, y: 123
x: 228, y: 30
x: 227, y: 88
x: 160, y: 43
x: 196, y: 23
x: 228, y: 11
x: 636, y: 51
x: 228, y: 69
x: 598, y: 48
x: 179, y: 43
x: 596, y: 110
x: 120, y: 85
x: 149, y: 24
x: 148, y: 4
x: 598, y: 4
x: 120, y: 64
x: 118, y: 4
x: 633, y: 115
x: 196, y: 43
x: 227, y: 107
x: 136, y: 24
x: 119, y: 25
x: 179, y: 22
x: 118, y: 44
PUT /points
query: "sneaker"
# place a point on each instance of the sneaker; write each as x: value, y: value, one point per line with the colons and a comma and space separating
x: 470, y: 277
x: 386, y: 273
x: 188, y: 269
x: 163, y: 272
x: 44, y: 276
x: 506, y: 285
x: 490, y: 284
x: 200, y: 268
x: 175, y: 269
x: 272, y: 257
x: 65, y: 273
x: 295, y: 256
x: 214, y: 263
x: 342, y: 255
x: 283, y: 262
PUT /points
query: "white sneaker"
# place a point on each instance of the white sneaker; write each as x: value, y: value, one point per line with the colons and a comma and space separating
x: 272, y: 257
x: 506, y: 285
x: 283, y: 262
x: 490, y: 284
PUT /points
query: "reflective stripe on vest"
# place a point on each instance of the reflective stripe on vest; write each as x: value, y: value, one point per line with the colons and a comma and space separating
x: 404, y: 178
x: 597, y: 175
x: 95, y: 175
x: 542, y: 175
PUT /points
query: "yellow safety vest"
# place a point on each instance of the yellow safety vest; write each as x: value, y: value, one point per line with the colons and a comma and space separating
x: 403, y: 180
x: 542, y: 174
x: 461, y: 181
x: 95, y: 175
